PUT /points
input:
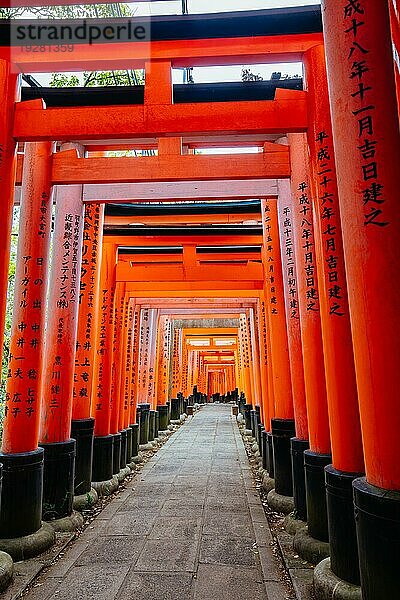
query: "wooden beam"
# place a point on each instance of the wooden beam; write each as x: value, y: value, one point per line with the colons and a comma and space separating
x: 174, y: 303
x: 189, y: 141
x: 201, y: 313
x: 176, y: 273
x: 68, y: 168
x: 179, y: 190
x: 183, y: 219
x: 169, y: 240
x: 194, y: 288
x: 142, y: 259
x: 211, y: 331
x: 196, y: 53
x: 275, y: 156
x: 287, y: 113
x: 188, y: 190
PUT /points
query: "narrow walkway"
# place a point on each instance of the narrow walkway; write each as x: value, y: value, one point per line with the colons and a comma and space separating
x: 190, y: 526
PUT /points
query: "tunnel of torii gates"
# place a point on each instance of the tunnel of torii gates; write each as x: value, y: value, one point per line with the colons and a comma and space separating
x: 271, y: 278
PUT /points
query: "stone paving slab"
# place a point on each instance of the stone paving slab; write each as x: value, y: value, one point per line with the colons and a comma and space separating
x: 26, y: 571
x: 190, y: 526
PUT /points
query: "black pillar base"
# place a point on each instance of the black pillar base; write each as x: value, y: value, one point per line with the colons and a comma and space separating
x: 22, y: 493
x: 253, y: 422
x: 260, y: 430
x: 271, y: 469
x: 257, y: 422
x: 129, y: 444
x: 124, y: 460
x: 156, y: 424
x: 82, y: 433
x: 265, y: 452
x: 342, y: 524
x: 152, y: 425
x: 317, y: 516
x: 175, y: 409
x: 282, y: 431
x: 144, y: 423
x: 297, y: 449
x: 103, y: 454
x: 257, y: 419
x: 247, y: 416
x: 58, y: 479
x: 116, y: 453
x: 135, y: 440
x: 378, y: 534
x: 242, y: 404
x: 163, y: 417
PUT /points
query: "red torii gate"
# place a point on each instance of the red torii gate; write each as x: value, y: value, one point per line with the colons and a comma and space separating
x: 366, y: 139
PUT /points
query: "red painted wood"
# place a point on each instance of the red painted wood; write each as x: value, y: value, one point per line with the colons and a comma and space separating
x: 25, y: 380
x: 367, y: 145
x: 88, y: 311
x: 62, y: 321
x: 309, y: 298
x: 275, y: 309
x: 344, y: 417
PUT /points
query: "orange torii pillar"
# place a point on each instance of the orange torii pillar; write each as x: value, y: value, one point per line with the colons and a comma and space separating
x: 197, y: 369
x: 367, y: 151
x: 151, y: 375
x: 239, y: 362
x: 240, y: 382
x: 125, y: 413
x: 344, y: 417
x: 59, y: 357
x: 120, y: 359
x: 185, y: 366
x: 266, y: 386
x: 191, y: 363
x: 318, y: 456
x: 262, y: 341
x: 142, y: 386
x: 103, y: 443
x: 163, y: 361
x: 196, y: 376
x: 299, y: 443
x: 202, y: 381
x: 127, y: 378
x: 9, y: 94
x: 142, y: 409
x: 82, y: 425
x: 21, y: 502
x: 249, y: 353
x: 176, y: 372
x: 245, y: 360
x: 282, y: 424
x: 255, y: 362
x: 255, y: 376
x: 193, y: 370
x: 118, y: 337
x: 134, y: 422
x: 270, y: 384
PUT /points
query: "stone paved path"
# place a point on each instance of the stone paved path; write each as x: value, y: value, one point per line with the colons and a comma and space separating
x: 189, y: 527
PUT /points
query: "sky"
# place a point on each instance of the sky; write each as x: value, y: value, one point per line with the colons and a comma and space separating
x: 215, y: 74
x: 203, y: 6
